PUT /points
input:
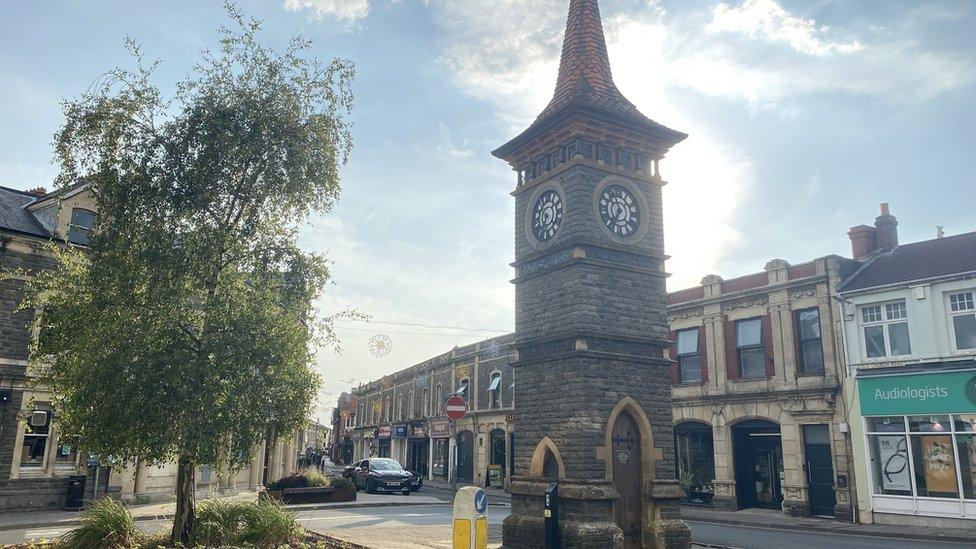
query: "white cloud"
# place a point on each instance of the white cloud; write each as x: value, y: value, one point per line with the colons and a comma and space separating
x: 768, y: 20
x: 344, y: 10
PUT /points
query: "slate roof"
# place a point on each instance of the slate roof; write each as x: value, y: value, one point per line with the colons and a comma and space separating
x: 917, y: 261
x: 14, y: 217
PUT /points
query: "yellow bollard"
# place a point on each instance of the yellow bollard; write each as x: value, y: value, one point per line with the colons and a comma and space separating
x: 470, y: 518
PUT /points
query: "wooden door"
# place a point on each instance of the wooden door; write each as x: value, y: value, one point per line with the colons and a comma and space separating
x: 626, y: 457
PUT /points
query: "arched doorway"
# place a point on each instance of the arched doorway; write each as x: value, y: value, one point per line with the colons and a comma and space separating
x: 626, y: 455
x: 465, y: 456
x: 757, y: 452
x: 496, y: 457
x: 694, y: 455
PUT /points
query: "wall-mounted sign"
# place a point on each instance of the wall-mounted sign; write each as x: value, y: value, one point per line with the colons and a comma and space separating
x: 927, y: 393
x: 419, y: 431
x: 383, y: 432
x: 400, y: 431
x: 440, y: 429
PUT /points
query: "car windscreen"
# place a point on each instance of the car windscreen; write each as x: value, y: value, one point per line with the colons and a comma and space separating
x: 384, y: 465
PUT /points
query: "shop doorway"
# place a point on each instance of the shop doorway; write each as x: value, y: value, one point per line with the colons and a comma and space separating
x: 819, y: 467
x: 627, y: 510
x: 417, y: 457
x: 758, y: 454
x: 465, y: 456
x: 496, y: 457
x: 384, y: 450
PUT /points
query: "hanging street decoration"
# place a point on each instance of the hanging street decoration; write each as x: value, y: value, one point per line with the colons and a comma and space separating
x: 380, y: 345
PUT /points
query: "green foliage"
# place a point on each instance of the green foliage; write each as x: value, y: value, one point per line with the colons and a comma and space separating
x: 107, y: 524
x: 317, y: 479
x: 262, y: 524
x: 187, y: 330
x: 341, y: 482
x: 305, y: 479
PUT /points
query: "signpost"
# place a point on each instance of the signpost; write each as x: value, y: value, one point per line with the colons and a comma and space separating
x: 456, y: 408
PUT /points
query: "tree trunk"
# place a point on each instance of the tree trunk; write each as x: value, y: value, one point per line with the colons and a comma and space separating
x: 185, y: 501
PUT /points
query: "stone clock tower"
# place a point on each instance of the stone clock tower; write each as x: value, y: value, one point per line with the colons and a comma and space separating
x: 594, y: 393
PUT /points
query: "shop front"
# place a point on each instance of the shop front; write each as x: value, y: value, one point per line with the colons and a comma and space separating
x: 383, y: 435
x: 440, y: 438
x: 919, y: 431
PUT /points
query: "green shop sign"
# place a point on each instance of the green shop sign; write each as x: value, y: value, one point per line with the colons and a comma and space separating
x: 939, y: 392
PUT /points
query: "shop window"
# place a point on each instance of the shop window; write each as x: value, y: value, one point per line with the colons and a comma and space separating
x: 689, y: 355
x: 82, y: 223
x: 886, y: 330
x: 37, y: 431
x: 962, y: 311
x: 809, y: 339
x: 695, y: 456
x: 929, y: 456
x: 749, y: 345
x: 495, y: 391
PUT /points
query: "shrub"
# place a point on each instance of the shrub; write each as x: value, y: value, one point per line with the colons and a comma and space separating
x: 233, y: 524
x: 106, y: 524
x: 342, y: 482
x: 268, y: 524
x: 317, y: 479
x: 294, y: 480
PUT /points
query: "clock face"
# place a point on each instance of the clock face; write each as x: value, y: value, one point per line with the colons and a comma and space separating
x: 619, y: 211
x: 547, y: 215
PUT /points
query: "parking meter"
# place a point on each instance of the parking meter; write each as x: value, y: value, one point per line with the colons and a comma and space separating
x: 470, y: 518
x: 551, y: 517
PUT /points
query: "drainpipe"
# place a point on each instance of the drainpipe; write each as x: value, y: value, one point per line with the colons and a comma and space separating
x: 848, y: 442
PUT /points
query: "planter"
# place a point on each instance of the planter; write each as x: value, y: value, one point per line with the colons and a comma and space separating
x: 322, y: 494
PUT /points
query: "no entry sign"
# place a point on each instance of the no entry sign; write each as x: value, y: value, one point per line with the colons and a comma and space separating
x: 456, y: 408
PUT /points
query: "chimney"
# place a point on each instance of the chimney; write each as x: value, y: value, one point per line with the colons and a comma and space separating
x: 37, y: 191
x: 864, y: 240
x: 887, y: 229
x: 939, y: 231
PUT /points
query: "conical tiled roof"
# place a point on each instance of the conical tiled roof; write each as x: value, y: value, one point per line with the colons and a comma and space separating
x: 584, y: 68
x: 585, y: 86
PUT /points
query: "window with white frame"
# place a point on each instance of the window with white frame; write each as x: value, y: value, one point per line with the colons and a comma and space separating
x: 388, y: 411
x: 438, y: 400
x: 411, y: 405
x: 399, y: 410
x: 462, y: 390
x: 495, y: 391
x: 689, y: 355
x: 426, y: 403
x: 37, y: 433
x: 82, y: 223
x: 751, y: 348
x: 885, y: 328
x: 962, y: 315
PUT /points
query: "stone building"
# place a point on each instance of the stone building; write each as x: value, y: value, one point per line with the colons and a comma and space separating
x: 402, y: 415
x: 758, y: 416
x: 343, y: 422
x: 35, y: 457
x: 594, y: 403
x: 909, y: 320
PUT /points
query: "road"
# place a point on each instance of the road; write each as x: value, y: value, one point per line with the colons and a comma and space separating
x: 421, y: 526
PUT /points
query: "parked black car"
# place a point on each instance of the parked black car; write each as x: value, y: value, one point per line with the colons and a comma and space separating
x: 416, y: 481
x: 382, y: 475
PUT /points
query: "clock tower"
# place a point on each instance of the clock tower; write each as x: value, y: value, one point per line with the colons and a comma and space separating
x: 594, y: 393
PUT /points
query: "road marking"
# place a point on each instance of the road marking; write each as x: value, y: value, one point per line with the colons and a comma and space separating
x: 42, y: 534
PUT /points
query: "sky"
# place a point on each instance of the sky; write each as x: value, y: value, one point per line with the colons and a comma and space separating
x: 803, y: 117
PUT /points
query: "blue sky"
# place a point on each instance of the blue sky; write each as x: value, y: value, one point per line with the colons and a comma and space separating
x: 803, y: 117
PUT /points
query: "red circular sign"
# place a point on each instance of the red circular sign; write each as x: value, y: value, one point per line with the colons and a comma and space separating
x: 456, y: 408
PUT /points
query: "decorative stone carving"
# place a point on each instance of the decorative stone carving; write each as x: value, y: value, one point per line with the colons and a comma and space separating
x: 746, y: 303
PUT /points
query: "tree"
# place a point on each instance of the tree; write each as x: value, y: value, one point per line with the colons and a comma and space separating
x: 186, y: 331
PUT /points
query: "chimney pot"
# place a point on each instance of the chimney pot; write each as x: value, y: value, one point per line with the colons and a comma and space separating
x: 864, y: 241
x: 939, y: 231
x: 885, y: 210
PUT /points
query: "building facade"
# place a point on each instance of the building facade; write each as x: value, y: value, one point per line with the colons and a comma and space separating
x: 343, y: 425
x: 402, y: 415
x: 758, y: 416
x: 909, y: 322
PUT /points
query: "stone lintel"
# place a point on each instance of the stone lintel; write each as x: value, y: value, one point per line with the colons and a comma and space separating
x: 576, y: 489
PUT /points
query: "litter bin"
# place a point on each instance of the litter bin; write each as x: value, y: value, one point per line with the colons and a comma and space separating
x: 76, y: 493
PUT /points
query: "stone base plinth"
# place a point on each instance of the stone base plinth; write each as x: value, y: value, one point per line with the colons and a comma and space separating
x: 796, y: 508
x: 725, y: 503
